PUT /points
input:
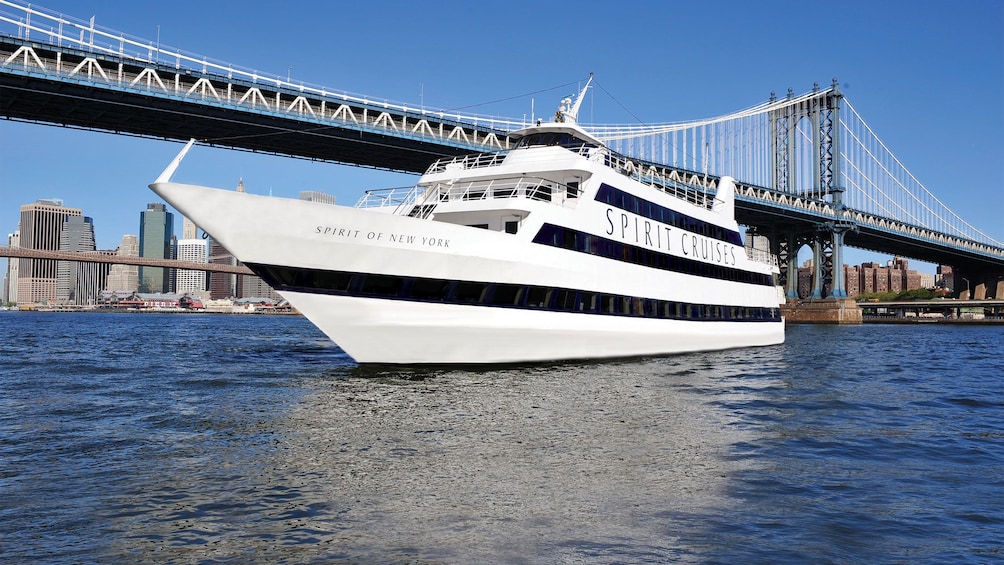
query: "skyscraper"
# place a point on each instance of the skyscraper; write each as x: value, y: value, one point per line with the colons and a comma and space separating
x: 156, y: 228
x: 251, y: 286
x: 78, y: 283
x: 188, y: 229
x: 40, y: 227
x: 125, y: 277
x: 10, y: 277
x: 194, y: 251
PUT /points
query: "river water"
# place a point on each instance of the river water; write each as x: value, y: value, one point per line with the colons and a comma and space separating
x: 168, y: 438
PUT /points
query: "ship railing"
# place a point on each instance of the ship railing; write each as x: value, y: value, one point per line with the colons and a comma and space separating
x: 533, y: 188
x: 762, y: 256
x: 659, y: 179
x: 388, y: 197
x: 467, y: 162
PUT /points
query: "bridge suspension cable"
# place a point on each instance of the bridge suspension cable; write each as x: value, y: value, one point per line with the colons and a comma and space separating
x: 787, y: 145
x: 884, y: 186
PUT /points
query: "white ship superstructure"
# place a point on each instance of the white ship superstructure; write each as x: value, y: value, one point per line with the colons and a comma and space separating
x: 555, y: 249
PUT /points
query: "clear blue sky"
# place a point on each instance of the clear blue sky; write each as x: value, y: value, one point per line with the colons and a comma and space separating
x: 928, y: 76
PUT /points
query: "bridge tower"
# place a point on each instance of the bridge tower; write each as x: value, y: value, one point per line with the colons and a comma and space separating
x: 820, y: 116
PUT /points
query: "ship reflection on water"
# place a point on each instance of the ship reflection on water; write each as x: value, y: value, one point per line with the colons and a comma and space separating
x: 618, y: 459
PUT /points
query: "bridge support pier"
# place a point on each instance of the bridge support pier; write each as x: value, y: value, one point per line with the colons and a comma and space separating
x: 827, y: 302
x: 785, y: 247
x: 828, y: 261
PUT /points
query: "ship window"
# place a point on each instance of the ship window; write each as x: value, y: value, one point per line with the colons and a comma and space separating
x: 622, y: 305
x: 470, y: 291
x: 572, y: 189
x: 512, y: 226
x: 429, y: 289
x: 651, y: 308
x: 538, y: 297
x: 507, y: 295
x: 382, y: 285
x: 551, y: 139
x: 280, y: 277
x: 504, y: 192
x: 331, y: 280
x: 541, y: 192
x: 616, y: 197
x: 568, y: 239
x: 638, y: 307
x: 502, y: 295
x: 565, y: 299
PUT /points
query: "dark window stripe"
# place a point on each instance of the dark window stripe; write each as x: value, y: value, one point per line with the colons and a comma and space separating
x: 582, y: 242
x: 631, y: 203
x: 499, y: 295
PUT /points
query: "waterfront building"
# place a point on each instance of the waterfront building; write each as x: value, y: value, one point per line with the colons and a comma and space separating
x: 805, y: 278
x: 926, y: 280
x: 880, y: 278
x: 188, y: 280
x: 220, y: 305
x: 911, y: 278
x: 944, y: 277
x: 156, y: 231
x: 251, y: 286
x: 869, y: 277
x: 158, y: 300
x: 193, y: 249
x: 76, y: 282
x: 40, y: 227
x: 10, y: 276
x: 852, y: 280
x: 896, y: 277
x: 125, y: 278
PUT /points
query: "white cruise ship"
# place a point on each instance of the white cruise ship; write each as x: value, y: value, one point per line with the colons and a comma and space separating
x: 556, y: 249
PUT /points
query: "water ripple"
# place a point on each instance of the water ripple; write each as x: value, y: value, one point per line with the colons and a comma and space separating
x: 182, y: 439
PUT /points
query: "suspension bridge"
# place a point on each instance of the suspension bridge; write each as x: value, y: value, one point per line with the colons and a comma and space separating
x: 810, y: 170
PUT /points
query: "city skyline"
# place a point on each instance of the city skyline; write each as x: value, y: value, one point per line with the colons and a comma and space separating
x: 929, y: 81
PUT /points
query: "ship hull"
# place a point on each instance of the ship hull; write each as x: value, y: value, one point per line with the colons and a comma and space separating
x: 399, y: 332
x: 351, y: 272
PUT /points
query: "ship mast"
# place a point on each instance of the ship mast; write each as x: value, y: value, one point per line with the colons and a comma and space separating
x: 569, y: 112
